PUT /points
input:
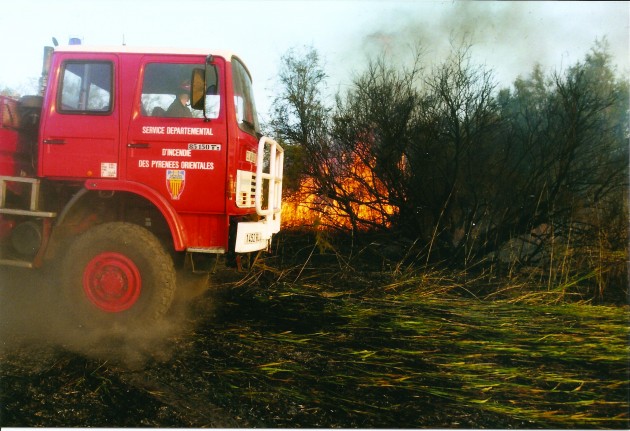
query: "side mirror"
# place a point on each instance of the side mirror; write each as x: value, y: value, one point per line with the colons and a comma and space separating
x: 198, y: 89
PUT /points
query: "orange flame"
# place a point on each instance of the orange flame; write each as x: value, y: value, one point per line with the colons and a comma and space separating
x: 364, y: 207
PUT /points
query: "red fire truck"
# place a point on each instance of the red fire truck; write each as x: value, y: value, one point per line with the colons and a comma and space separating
x: 131, y: 165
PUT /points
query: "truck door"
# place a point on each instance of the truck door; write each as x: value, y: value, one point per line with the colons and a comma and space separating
x: 171, y: 148
x: 80, y: 125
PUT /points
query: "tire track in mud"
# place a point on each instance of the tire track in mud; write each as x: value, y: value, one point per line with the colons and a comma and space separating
x: 193, y: 406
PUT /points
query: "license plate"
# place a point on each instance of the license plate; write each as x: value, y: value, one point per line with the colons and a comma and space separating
x: 253, y: 237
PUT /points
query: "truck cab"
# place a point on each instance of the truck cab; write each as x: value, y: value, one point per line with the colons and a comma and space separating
x: 161, y: 145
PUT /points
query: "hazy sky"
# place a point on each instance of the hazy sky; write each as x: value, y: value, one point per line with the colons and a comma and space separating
x: 508, y: 37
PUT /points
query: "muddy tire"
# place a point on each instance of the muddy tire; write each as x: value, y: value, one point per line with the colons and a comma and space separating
x: 118, y: 274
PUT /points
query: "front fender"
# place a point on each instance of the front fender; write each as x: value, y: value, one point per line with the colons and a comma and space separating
x: 175, y: 224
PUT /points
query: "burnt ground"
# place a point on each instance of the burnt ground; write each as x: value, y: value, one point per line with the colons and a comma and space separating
x: 333, y: 352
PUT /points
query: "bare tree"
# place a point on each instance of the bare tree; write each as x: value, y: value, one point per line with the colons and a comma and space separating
x: 454, y: 161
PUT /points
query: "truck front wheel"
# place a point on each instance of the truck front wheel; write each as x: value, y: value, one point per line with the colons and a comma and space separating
x: 118, y: 273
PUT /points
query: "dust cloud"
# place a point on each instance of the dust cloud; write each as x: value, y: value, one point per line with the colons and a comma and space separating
x: 35, y: 324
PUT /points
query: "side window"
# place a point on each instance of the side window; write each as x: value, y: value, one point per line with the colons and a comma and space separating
x: 86, y: 88
x: 246, y: 115
x: 166, y: 91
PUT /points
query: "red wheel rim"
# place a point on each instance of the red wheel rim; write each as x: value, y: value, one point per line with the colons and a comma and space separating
x: 112, y: 282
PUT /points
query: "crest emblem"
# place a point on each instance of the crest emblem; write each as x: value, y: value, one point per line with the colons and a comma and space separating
x: 175, y: 182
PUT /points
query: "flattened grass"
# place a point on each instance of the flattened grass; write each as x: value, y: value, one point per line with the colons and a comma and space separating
x: 399, y: 356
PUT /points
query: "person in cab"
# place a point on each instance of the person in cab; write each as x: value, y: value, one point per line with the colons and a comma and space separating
x: 179, y: 107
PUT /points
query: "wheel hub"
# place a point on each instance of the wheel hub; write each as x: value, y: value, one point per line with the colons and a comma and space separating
x: 112, y: 282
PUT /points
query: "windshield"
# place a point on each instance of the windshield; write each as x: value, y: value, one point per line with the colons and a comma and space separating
x: 246, y: 115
